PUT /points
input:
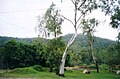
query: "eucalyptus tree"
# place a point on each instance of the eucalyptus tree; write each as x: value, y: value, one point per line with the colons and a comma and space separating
x: 81, y: 9
x: 89, y: 27
x: 50, y: 24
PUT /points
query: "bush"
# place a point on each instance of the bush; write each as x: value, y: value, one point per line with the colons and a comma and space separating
x: 27, y: 70
x: 70, y: 71
x: 104, y: 67
x: 38, y: 67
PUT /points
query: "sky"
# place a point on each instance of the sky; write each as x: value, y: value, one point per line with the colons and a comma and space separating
x: 18, y: 18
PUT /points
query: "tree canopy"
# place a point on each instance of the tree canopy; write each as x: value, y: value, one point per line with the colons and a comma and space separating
x: 50, y: 23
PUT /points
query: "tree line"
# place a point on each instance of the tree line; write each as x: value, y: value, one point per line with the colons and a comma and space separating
x: 48, y: 53
x: 16, y: 54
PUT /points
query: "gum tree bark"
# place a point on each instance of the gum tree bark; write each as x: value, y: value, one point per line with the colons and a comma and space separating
x: 82, y: 7
x: 61, y: 73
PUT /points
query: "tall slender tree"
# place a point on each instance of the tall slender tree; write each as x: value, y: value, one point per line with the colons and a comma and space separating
x: 89, y: 26
x: 81, y: 8
x: 50, y: 26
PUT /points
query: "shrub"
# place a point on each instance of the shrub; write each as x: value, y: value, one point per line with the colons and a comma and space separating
x: 92, y: 66
x: 104, y: 67
x: 70, y: 71
x: 38, y: 67
x: 27, y: 70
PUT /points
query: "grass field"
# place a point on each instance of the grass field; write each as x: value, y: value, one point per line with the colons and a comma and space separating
x: 30, y: 73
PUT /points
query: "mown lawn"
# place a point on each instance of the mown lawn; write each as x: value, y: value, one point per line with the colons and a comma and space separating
x: 76, y: 74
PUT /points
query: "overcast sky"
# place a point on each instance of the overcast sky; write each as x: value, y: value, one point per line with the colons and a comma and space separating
x: 18, y: 18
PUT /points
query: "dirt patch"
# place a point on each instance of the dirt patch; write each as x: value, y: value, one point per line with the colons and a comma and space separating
x: 77, y: 68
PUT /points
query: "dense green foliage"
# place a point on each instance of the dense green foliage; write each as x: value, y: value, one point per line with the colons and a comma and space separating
x: 55, y: 47
x: 15, y: 54
x: 48, y: 53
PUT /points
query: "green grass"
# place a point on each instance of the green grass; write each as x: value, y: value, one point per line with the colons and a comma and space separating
x: 29, y: 72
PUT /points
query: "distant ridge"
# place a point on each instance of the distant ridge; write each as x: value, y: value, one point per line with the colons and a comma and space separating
x: 81, y: 41
x: 4, y: 39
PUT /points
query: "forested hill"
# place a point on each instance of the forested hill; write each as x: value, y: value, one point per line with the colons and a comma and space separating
x: 81, y: 41
x: 4, y: 39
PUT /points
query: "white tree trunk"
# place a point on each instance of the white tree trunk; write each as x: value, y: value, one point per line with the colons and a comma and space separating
x: 71, y: 41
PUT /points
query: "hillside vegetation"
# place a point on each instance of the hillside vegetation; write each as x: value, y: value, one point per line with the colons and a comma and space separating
x: 26, y: 52
x: 81, y: 41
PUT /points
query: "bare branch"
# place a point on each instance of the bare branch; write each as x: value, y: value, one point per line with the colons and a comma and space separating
x: 67, y: 19
x: 79, y: 18
x: 82, y: 3
x: 82, y: 18
x: 72, y: 1
x: 80, y: 23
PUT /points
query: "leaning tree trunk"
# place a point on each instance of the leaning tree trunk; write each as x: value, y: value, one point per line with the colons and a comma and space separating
x: 92, y: 54
x: 71, y: 41
x: 95, y: 61
x: 97, y: 67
